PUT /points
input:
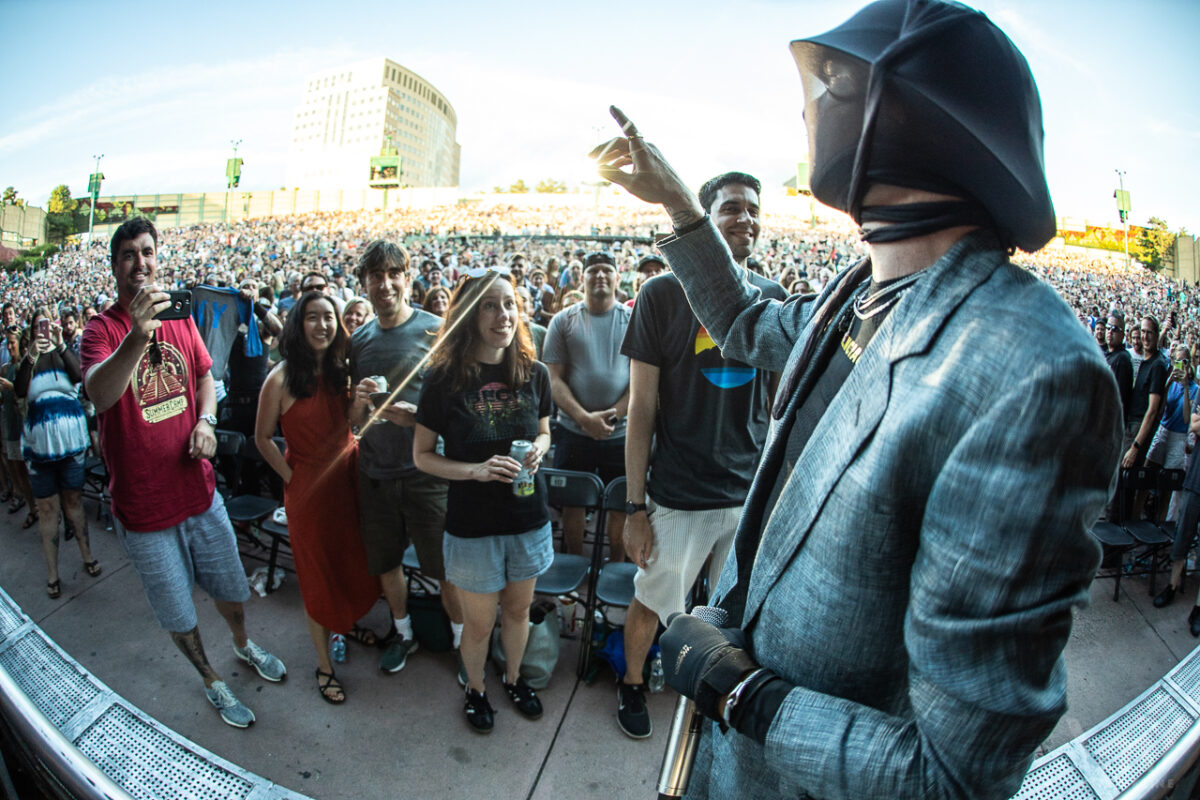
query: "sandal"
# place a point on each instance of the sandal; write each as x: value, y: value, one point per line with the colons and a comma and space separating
x: 54, y: 589
x: 30, y: 520
x: 16, y: 505
x: 327, y: 682
x: 364, y: 636
x: 93, y: 568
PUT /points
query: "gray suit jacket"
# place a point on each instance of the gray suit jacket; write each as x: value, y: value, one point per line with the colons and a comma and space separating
x: 915, y: 580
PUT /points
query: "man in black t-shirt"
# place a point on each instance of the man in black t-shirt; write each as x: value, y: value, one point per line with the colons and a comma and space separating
x: 1149, y: 389
x: 1118, y: 356
x: 1144, y: 409
x: 708, y: 437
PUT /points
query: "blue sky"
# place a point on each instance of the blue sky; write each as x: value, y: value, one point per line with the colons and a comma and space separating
x: 161, y: 89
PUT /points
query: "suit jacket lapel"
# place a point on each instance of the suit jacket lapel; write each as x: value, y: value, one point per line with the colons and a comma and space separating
x: 855, y: 413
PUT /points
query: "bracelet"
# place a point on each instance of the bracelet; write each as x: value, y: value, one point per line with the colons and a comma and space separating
x: 735, y: 694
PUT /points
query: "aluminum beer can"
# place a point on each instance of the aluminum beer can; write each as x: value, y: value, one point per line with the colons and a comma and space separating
x: 380, y: 382
x: 523, y: 483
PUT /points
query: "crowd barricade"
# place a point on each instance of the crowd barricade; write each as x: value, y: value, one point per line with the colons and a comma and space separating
x: 1148, y: 750
x: 92, y: 743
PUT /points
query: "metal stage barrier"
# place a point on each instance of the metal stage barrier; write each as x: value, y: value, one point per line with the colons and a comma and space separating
x: 91, y: 742
x: 1146, y: 751
x: 94, y: 745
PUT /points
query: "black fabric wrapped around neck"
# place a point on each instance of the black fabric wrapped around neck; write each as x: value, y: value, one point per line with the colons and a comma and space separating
x: 910, y: 220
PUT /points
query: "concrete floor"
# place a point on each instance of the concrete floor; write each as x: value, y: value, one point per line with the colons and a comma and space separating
x: 403, y: 735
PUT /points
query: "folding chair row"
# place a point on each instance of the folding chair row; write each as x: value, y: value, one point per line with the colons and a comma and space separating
x: 1122, y: 536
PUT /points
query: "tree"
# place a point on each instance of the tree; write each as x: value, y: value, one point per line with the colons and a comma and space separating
x: 60, y: 214
x: 10, y: 196
x: 1153, y: 245
x: 519, y: 187
x: 551, y: 186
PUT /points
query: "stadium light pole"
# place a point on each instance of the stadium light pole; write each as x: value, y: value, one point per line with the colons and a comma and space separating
x: 94, y: 191
x: 1123, y: 208
x: 228, y: 189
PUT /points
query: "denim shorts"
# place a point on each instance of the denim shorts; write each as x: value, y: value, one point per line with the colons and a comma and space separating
x: 48, y: 478
x: 487, y: 564
x: 200, y: 551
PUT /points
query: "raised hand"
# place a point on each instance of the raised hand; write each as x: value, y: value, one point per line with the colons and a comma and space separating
x: 651, y: 178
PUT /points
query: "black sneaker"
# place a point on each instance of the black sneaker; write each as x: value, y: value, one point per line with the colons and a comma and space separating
x: 632, y: 716
x: 523, y: 697
x: 480, y: 714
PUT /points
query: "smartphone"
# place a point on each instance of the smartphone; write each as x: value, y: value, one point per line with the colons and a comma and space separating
x: 180, y: 308
x: 43, y: 327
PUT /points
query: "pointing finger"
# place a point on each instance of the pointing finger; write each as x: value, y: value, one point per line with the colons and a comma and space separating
x: 627, y: 127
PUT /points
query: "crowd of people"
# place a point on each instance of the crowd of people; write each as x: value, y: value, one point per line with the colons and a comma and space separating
x: 348, y: 306
x: 273, y: 251
x: 892, y: 466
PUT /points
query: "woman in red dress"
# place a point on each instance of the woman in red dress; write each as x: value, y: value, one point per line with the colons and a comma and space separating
x: 308, y: 394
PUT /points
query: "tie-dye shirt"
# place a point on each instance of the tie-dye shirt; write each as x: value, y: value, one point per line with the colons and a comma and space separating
x: 55, y: 426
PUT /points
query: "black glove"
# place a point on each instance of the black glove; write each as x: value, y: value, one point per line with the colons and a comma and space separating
x: 703, y: 662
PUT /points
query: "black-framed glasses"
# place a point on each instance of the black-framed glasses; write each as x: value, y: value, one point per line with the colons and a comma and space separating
x: 320, y: 288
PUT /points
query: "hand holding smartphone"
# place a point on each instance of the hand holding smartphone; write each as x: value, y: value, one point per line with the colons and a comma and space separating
x: 180, y: 308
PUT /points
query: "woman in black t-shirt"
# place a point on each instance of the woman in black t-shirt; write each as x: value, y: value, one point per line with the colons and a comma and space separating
x: 483, y: 391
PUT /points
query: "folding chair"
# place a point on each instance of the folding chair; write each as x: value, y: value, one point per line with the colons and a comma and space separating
x: 1146, y: 533
x: 578, y: 490
x: 250, y: 513
x: 413, y: 573
x: 1168, y: 482
x: 612, y: 582
x: 1115, y: 542
x: 95, y: 485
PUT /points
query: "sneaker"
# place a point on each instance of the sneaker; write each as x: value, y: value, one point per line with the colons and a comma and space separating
x: 632, y: 716
x: 266, y: 665
x: 232, y: 710
x: 524, y: 698
x: 396, y: 654
x: 480, y: 714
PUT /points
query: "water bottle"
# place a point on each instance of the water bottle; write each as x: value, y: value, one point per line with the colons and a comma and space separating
x: 657, y: 679
x: 337, y: 647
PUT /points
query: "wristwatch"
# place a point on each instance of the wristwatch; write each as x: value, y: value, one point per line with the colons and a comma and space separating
x: 632, y: 507
x: 210, y: 419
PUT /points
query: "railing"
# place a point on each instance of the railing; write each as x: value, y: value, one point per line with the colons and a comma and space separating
x: 96, y: 746
x: 1148, y: 750
x: 93, y: 743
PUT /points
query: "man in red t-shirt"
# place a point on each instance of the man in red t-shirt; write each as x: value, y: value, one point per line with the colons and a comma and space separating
x: 151, y: 384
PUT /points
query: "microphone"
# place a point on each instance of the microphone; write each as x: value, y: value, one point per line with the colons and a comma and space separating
x: 680, y: 755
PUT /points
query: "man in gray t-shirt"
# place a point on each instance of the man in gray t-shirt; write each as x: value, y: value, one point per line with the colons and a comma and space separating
x: 590, y: 381
x: 397, y: 503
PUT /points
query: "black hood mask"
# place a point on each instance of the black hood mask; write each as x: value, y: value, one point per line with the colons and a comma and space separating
x: 927, y: 95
